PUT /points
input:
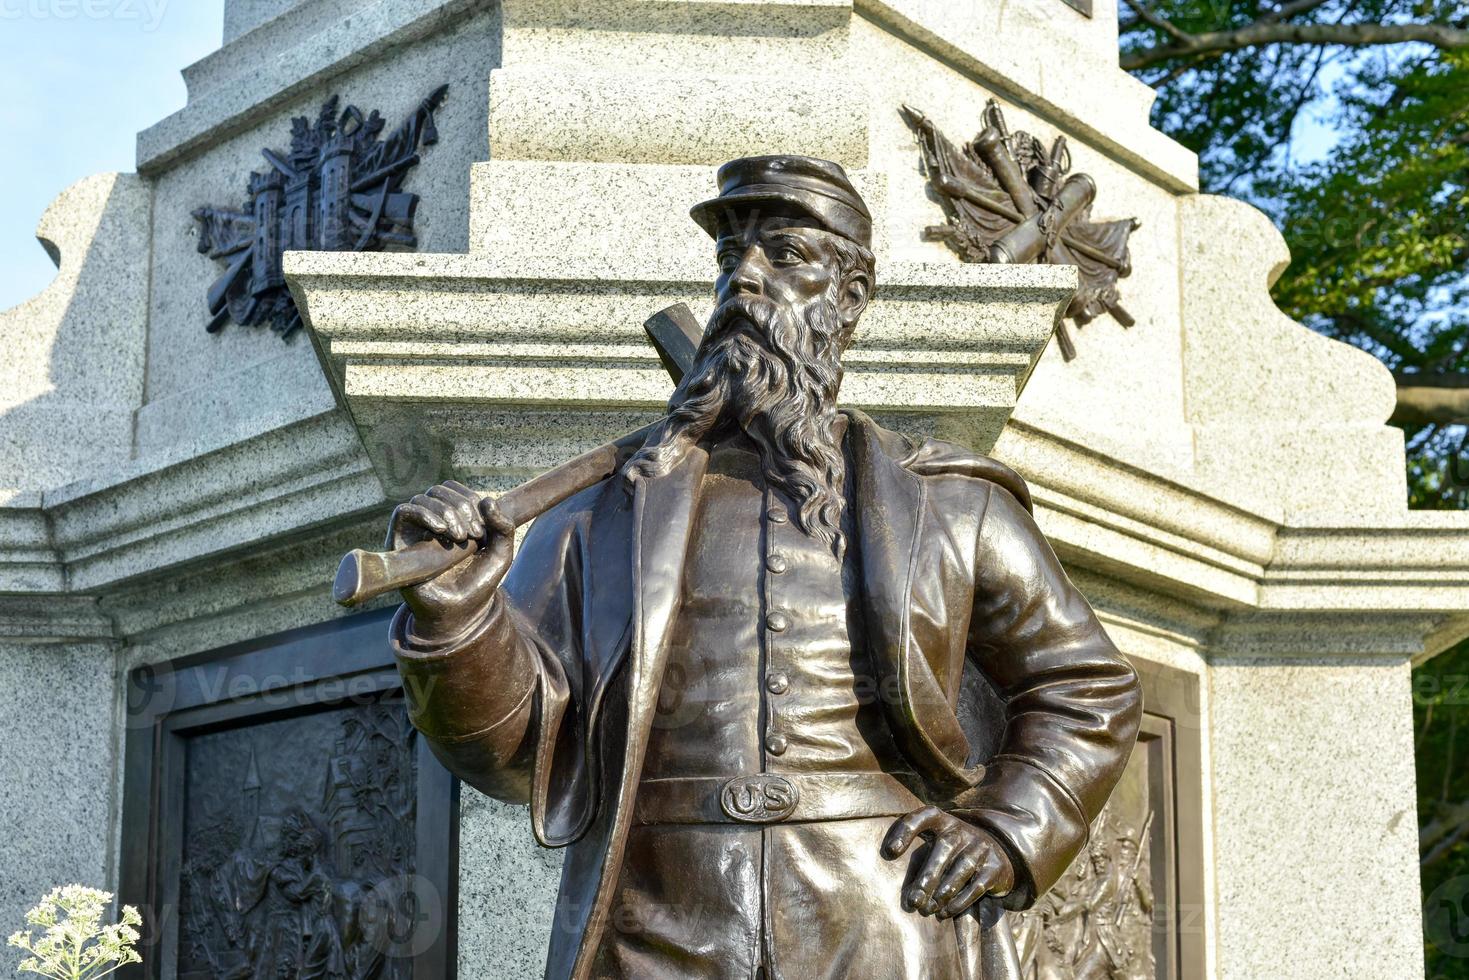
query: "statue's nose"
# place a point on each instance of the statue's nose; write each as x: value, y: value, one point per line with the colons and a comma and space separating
x: 749, y: 276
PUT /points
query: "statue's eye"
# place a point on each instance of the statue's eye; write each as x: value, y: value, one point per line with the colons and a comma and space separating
x: 728, y: 260
x: 786, y: 255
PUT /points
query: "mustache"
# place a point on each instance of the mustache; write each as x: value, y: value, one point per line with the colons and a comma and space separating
x: 752, y: 316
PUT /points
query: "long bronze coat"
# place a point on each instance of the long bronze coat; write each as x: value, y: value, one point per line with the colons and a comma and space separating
x: 984, y: 651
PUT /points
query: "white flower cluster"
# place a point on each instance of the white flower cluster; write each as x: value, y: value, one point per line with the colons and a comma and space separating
x: 74, y: 945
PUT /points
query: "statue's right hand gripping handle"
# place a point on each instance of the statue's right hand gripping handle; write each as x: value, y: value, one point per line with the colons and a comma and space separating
x: 365, y: 575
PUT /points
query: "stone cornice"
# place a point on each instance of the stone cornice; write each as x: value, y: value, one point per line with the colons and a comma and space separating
x: 1149, y: 529
x: 241, y: 594
x: 29, y: 561
x: 144, y: 522
x: 60, y: 619
x: 277, y: 76
x: 407, y: 337
x: 1279, y: 589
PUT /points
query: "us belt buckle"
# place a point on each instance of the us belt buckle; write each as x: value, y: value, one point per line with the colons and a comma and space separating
x: 762, y: 798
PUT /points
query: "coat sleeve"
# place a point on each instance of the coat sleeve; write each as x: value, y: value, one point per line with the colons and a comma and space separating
x: 1073, y: 703
x: 491, y: 701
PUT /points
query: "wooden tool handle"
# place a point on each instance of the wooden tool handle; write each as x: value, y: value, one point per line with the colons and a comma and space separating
x: 365, y: 575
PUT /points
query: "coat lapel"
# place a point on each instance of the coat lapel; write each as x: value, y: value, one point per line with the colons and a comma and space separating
x: 651, y: 573
x: 604, y: 599
x: 625, y: 610
x: 891, y: 504
x: 607, y: 596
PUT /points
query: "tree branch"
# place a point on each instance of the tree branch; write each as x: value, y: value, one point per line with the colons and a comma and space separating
x: 1146, y: 15
x: 1443, y: 847
x: 1438, y: 380
x: 1425, y: 406
x: 1288, y: 10
x: 1262, y: 33
x: 1444, y: 824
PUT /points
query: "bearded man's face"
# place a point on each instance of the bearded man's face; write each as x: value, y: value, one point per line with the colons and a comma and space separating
x: 789, y: 295
x: 788, y: 262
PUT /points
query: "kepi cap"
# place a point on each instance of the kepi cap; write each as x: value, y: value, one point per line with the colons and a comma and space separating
x: 819, y: 188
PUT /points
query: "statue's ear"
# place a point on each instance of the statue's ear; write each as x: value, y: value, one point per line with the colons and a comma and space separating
x: 852, y: 300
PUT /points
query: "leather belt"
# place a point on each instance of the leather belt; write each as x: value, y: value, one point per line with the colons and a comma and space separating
x: 767, y: 798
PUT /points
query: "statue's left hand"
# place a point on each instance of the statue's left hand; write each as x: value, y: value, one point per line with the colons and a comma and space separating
x: 964, y: 863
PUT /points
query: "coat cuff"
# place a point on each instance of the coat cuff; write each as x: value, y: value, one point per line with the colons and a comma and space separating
x: 1036, y: 819
x: 462, y: 688
x: 407, y: 643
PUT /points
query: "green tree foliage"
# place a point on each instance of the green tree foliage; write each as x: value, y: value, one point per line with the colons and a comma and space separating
x: 1379, y: 225
x: 1377, y: 219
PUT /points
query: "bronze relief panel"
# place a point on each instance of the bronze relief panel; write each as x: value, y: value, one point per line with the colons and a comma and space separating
x: 284, y: 817
x: 291, y: 858
x: 1130, y: 906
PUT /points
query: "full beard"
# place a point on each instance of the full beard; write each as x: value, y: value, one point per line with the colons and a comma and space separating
x: 776, y: 376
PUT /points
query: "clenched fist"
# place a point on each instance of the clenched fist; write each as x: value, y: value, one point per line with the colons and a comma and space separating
x: 454, y: 515
x: 963, y: 864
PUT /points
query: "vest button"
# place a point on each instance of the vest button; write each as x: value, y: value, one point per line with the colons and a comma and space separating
x: 776, y: 744
x: 777, y: 516
x: 777, y: 563
x: 777, y: 683
x: 778, y: 622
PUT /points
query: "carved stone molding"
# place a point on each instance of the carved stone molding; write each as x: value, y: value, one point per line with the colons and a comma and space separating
x: 445, y: 346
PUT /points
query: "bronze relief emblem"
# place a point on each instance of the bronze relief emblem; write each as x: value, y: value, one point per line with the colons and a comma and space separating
x: 339, y: 189
x: 1009, y: 198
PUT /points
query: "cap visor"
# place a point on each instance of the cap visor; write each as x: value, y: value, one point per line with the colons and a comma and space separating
x: 735, y: 208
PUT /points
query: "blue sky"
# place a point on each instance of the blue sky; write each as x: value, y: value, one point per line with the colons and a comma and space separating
x: 80, y: 78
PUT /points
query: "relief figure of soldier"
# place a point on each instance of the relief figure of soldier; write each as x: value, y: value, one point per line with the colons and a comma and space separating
x: 802, y: 698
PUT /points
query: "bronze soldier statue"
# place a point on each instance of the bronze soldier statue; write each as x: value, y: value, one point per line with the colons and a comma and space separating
x: 801, y: 697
